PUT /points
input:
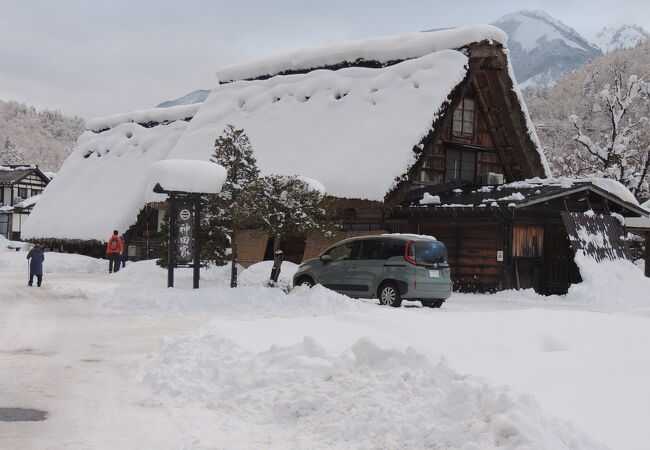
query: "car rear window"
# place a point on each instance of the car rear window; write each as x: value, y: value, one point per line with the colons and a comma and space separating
x: 430, y: 251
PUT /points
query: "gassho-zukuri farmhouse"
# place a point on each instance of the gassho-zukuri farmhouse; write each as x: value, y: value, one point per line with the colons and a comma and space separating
x: 421, y: 133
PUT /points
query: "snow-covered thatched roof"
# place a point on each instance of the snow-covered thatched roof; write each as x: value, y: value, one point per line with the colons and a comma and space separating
x: 352, y: 129
x: 382, y: 50
x: 102, y: 186
x: 347, y: 115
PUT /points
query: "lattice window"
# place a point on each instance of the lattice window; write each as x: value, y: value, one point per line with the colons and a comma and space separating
x: 464, y: 118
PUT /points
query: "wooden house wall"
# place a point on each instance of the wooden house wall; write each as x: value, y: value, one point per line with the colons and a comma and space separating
x: 32, y: 183
x: 472, y: 250
x: 251, y: 246
x: 434, y: 159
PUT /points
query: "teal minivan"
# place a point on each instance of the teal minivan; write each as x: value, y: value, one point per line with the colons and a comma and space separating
x: 390, y: 267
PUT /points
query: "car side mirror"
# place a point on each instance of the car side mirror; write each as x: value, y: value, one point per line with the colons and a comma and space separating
x: 325, y: 259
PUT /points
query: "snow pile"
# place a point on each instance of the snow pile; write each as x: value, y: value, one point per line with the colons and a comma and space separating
x: 242, y: 303
x: 608, y: 281
x: 384, y: 49
x: 185, y: 175
x: 517, y: 196
x: 301, y: 395
x: 258, y: 274
x: 148, y: 271
x: 615, y: 188
x: 13, y: 261
x: 307, y: 124
x: 606, y: 184
x: 4, y: 244
x: 102, y: 185
x: 428, y: 199
x: 28, y: 201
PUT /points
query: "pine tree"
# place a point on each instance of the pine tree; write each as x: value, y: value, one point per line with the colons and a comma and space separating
x: 234, y: 152
x: 11, y: 154
x: 286, y: 205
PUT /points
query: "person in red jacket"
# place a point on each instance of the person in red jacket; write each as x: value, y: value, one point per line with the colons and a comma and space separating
x: 114, y: 251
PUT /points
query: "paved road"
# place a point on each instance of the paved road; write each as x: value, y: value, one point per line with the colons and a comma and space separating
x: 53, y: 358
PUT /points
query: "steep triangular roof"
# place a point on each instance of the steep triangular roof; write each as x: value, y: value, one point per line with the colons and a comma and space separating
x: 348, y: 115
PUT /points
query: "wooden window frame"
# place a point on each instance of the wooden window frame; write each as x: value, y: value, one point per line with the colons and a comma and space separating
x: 464, y: 154
x: 467, y: 119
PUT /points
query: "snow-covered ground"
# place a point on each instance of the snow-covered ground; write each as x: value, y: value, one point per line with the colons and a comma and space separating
x: 119, y: 361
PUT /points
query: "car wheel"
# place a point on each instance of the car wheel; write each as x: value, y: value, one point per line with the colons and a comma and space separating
x: 389, y: 295
x: 306, y: 281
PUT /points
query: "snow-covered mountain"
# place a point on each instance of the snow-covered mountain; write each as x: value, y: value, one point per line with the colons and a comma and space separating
x: 613, y: 37
x: 542, y: 48
x: 197, y: 96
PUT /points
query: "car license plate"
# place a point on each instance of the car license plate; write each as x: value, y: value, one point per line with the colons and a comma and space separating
x: 434, y: 274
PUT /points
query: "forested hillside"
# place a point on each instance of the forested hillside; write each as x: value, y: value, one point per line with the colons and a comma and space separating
x: 38, y: 137
x: 606, y: 103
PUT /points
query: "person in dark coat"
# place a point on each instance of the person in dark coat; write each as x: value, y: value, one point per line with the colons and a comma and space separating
x: 36, y: 258
x: 125, y: 251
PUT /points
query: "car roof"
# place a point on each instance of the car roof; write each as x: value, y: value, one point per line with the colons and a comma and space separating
x: 399, y: 236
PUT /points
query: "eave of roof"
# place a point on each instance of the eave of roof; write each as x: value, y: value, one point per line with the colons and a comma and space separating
x: 454, y: 199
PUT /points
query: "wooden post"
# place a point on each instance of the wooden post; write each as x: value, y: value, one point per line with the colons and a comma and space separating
x: 197, y: 242
x: 278, y: 257
x: 171, y: 244
x: 233, y: 259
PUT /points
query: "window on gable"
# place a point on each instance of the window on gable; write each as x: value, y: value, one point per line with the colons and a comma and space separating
x: 461, y: 165
x: 464, y: 118
x: 22, y: 193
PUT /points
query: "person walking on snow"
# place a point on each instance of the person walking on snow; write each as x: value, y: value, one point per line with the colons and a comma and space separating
x: 114, y: 251
x: 36, y: 258
x: 124, y: 257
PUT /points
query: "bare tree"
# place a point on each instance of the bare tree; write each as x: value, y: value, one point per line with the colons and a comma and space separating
x: 619, y: 150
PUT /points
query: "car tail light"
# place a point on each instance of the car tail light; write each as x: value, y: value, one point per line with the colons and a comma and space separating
x: 407, y: 250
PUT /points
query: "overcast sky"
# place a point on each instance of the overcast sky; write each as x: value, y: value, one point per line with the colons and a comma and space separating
x: 93, y: 58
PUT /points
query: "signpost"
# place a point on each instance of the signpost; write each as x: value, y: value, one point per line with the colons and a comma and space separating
x: 184, y: 181
x: 184, y: 245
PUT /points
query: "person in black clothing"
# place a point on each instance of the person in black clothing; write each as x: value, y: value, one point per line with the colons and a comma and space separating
x: 36, y: 258
x: 125, y: 252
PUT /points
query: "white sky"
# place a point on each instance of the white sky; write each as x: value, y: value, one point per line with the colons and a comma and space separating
x: 94, y: 58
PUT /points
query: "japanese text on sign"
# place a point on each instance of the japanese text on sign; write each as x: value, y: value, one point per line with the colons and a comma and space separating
x: 185, y: 241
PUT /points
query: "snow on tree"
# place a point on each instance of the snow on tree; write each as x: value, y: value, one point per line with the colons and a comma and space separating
x: 578, y: 93
x: 45, y: 137
x: 10, y: 154
x: 620, y: 150
x: 287, y: 205
x: 234, y: 152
